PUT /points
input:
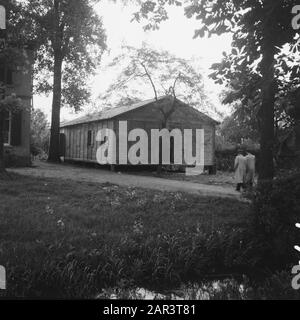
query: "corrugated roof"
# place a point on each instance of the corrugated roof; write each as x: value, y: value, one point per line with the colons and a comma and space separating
x: 114, y: 112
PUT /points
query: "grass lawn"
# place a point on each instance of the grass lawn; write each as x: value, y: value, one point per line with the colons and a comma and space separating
x: 66, y: 239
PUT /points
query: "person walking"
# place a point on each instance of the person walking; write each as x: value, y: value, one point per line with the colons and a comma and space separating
x: 250, y: 163
x: 240, y: 170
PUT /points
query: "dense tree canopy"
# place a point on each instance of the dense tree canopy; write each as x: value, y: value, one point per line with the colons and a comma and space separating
x: 70, y: 41
x: 72, y: 31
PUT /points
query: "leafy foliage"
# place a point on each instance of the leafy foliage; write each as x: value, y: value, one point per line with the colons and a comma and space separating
x: 244, y: 88
x: 73, y: 31
x: 235, y: 132
x: 277, y: 208
x: 10, y: 103
x: 40, y: 133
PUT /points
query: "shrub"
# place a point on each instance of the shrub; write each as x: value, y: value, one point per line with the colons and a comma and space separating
x: 40, y: 133
x: 225, y: 160
x: 277, y: 287
x: 276, y: 208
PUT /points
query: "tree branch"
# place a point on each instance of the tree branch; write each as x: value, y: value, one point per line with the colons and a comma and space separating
x: 174, y: 85
x: 150, y: 79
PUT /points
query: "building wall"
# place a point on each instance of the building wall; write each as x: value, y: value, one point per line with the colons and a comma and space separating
x: 22, y: 86
x: 76, y: 137
x: 20, y: 155
x: 146, y: 118
x: 149, y: 117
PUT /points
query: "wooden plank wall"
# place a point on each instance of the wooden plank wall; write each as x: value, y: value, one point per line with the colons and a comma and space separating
x: 77, y: 140
x: 149, y: 117
x: 146, y: 118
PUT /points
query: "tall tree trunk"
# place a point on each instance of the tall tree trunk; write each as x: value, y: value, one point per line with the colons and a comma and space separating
x: 56, y: 103
x: 266, y: 114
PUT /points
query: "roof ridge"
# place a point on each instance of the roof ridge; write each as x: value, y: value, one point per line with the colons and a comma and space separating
x: 111, y: 113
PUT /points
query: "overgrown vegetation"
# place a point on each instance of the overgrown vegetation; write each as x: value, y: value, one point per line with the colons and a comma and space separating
x: 67, y: 239
x: 40, y: 134
x: 276, y: 211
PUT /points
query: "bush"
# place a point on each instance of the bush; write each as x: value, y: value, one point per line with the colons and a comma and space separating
x: 277, y: 287
x: 225, y: 159
x: 276, y: 208
x: 40, y: 133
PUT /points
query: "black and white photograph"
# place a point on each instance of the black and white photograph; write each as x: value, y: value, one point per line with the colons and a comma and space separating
x: 149, y: 151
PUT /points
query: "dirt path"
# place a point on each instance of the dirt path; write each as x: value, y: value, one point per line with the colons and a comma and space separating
x: 77, y: 173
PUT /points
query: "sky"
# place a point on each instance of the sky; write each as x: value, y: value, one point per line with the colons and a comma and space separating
x: 175, y: 35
